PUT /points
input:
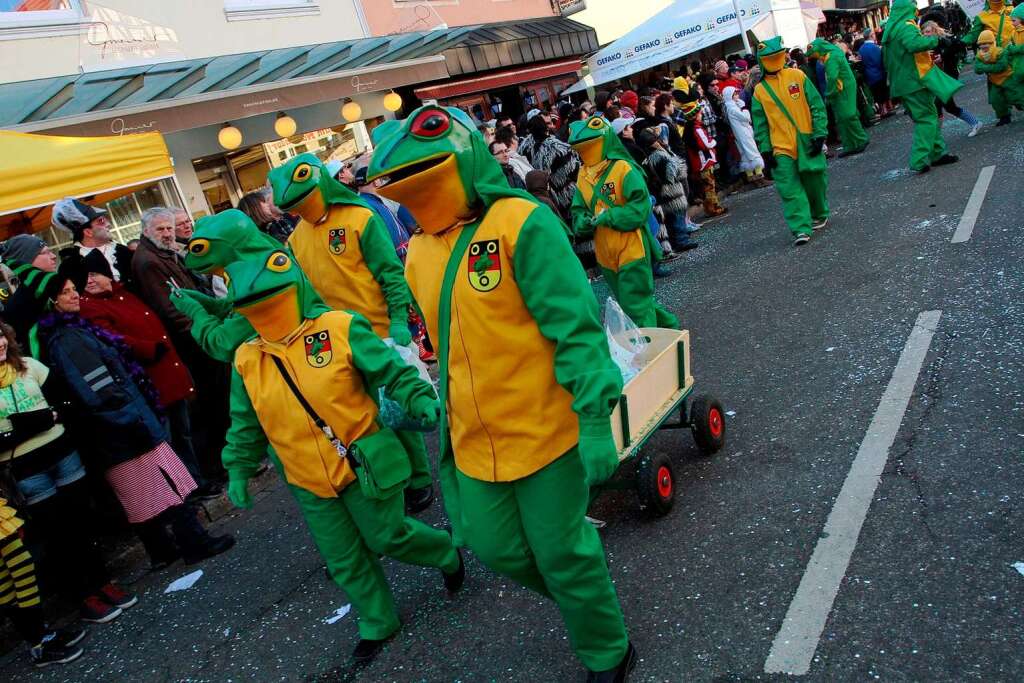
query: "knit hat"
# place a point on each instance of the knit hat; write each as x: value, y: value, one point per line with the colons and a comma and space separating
x: 689, y: 110
x: 721, y: 65
x: 681, y: 83
x: 647, y: 137
x: 78, y: 269
x: 986, y: 37
x: 74, y: 215
x: 629, y: 99
x: 21, y: 249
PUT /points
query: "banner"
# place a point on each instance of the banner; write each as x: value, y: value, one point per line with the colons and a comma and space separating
x: 972, y: 7
x: 678, y: 30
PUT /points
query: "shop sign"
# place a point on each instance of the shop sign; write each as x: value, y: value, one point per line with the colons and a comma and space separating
x: 111, y: 39
x: 566, y: 7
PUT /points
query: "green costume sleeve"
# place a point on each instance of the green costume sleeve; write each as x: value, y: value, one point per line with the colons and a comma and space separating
x: 633, y: 213
x: 384, y: 264
x: 996, y: 67
x: 381, y: 366
x: 761, y: 131
x: 915, y: 41
x: 832, y: 74
x: 558, y: 296
x: 580, y: 212
x: 971, y: 37
x: 819, y: 115
x: 219, y: 338
x: 246, y: 443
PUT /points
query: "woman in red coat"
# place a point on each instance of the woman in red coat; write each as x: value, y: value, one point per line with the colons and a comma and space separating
x: 108, y: 304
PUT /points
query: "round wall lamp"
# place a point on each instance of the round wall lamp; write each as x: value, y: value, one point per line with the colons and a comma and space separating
x: 351, y: 111
x: 392, y: 101
x: 229, y: 137
x: 285, y: 125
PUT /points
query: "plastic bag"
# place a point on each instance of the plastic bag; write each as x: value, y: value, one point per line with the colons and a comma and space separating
x: 392, y: 414
x: 625, y: 343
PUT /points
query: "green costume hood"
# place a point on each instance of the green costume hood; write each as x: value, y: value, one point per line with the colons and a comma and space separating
x: 819, y: 47
x: 428, y: 138
x: 292, y: 182
x: 901, y: 11
x: 224, y: 238
x: 769, y: 47
x: 1018, y: 12
x: 260, y: 289
x: 596, y: 127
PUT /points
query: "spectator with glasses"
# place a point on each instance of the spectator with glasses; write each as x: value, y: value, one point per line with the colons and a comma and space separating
x: 499, y: 150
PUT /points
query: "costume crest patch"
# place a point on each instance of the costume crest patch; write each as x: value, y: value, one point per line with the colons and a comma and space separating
x: 608, y: 189
x: 484, y: 265
x: 336, y: 241
x: 318, y: 348
x: 794, y: 90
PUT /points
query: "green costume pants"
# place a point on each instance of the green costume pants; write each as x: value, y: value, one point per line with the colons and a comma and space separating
x: 851, y: 132
x: 351, y: 530
x: 999, y: 99
x: 633, y: 288
x: 416, y: 447
x: 533, y: 530
x: 928, y: 145
x: 804, y: 195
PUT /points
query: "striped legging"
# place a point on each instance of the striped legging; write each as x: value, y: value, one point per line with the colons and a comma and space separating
x: 17, y: 574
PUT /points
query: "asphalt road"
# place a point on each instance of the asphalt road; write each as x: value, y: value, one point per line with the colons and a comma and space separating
x: 800, y: 344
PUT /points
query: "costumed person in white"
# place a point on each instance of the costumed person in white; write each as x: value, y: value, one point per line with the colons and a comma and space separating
x: 751, y: 162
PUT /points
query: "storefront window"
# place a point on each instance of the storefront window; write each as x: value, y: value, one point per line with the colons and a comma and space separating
x: 17, y: 13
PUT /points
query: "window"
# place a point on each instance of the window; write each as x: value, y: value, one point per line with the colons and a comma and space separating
x: 241, y: 10
x: 36, y: 18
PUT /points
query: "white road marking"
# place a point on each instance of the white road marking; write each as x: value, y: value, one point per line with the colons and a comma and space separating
x: 797, y: 639
x: 970, y: 217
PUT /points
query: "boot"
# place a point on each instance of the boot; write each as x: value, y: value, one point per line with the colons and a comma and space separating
x: 195, y: 542
x: 619, y: 674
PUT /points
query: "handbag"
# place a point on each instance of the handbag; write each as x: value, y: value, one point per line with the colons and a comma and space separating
x: 378, y: 460
x: 804, y: 162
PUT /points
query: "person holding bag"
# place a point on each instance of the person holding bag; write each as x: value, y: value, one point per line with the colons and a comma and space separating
x: 790, y: 125
x: 345, y: 470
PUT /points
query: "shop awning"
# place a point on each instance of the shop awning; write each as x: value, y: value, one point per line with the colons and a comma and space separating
x: 40, y: 169
x: 498, y: 80
x: 676, y: 31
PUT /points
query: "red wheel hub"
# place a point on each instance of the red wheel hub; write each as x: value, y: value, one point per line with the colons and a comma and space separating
x: 715, y: 422
x: 664, y: 482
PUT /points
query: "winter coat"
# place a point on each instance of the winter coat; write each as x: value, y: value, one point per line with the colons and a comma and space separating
x: 537, y: 185
x: 127, y: 316
x: 871, y: 58
x: 743, y: 133
x: 153, y: 268
x: 560, y: 161
x: 668, y: 174
x: 113, y: 418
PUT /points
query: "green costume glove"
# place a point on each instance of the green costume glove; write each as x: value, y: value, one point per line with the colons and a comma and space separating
x: 399, y: 331
x: 817, y: 146
x: 597, y: 449
x: 183, y: 300
x: 426, y: 411
x: 238, y: 493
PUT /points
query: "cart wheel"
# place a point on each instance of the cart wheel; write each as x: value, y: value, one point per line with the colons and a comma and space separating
x: 707, y: 420
x: 656, y: 484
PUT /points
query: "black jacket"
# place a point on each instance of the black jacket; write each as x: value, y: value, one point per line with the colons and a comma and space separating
x: 122, y: 262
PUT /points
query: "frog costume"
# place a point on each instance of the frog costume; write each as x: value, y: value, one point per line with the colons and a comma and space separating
x: 790, y: 125
x: 841, y: 93
x: 1015, y: 49
x: 995, y: 63
x: 918, y: 83
x: 333, y: 358
x: 612, y: 204
x: 996, y: 18
x: 217, y: 241
x: 527, y: 384
x: 347, y: 253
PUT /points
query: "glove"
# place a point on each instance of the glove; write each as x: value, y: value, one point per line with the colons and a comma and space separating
x: 399, y: 331
x: 769, y: 160
x: 238, y: 493
x: 597, y: 449
x: 183, y: 300
x: 816, y: 147
x: 426, y: 411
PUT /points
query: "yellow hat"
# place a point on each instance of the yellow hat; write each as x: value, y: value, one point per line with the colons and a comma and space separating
x: 680, y: 83
x: 986, y: 37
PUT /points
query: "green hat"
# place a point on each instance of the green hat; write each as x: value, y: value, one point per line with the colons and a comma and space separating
x: 770, y: 47
x: 1018, y: 12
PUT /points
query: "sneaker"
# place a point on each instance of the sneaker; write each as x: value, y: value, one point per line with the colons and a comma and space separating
x: 687, y: 246
x: 114, y: 595
x: 620, y: 673
x: 49, y: 652
x: 215, y: 545
x: 69, y: 636
x: 946, y: 159
x: 1003, y: 120
x: 691, y: 226
x: 418, y: 500
x: 974, y: 129
x: 453, y: 582
x: 367, y: 650
x: 801, y: 240
x: 818, y: 225
x: 211, y: 490
x: 96, y: 611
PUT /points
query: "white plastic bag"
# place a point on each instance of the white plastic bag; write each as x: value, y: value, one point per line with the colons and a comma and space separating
x: 391, y: 413
x: 625, y: 343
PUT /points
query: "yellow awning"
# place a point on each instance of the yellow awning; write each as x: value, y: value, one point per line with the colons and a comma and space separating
x: 37, y: 170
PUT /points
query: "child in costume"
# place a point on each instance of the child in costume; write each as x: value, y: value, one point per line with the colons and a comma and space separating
x: 527, y: 385
x: 841, y: 93
x: 918, y: 83
x: 994, y: 62
x: 612, y: 204
x: 700, y: 148
x: 751, y: 161
x: 307, y: 358
x: 994, y: 17
x: 790, y: 125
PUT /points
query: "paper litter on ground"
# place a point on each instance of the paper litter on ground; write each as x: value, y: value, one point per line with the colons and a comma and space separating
x: 1019, y: 566
x: 597, y: 523
x: 338, y: 614
x: 185, y: 582
x: 731, y: 413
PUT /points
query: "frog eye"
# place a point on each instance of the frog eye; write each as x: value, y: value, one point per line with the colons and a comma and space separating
x: 431, y: 123
x: 596, y: 122
x: 279, y: 262
x: 302, y: 173
x: 198, y: 247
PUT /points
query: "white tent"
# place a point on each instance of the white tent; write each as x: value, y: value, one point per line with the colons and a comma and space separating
x: 683, y: 28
